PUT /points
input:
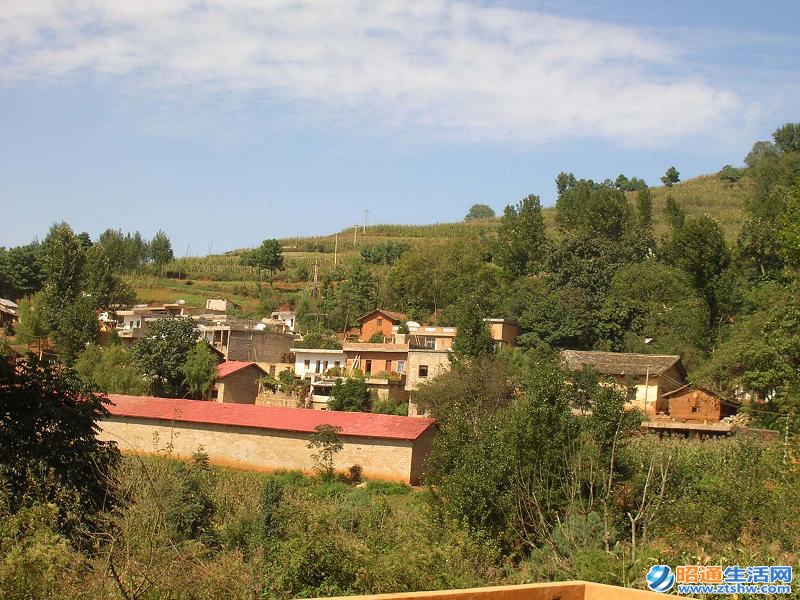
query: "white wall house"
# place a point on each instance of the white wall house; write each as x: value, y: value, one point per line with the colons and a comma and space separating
x: 315, y: 361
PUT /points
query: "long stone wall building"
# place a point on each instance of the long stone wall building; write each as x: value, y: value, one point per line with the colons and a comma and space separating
x: 269, y: 438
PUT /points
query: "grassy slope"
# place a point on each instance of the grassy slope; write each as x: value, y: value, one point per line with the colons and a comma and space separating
x: 223, y: 276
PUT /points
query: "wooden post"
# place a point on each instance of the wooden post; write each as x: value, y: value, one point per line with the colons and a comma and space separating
x: 646, y: 391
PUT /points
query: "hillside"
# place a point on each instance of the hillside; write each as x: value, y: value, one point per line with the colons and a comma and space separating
x: 196, y: 278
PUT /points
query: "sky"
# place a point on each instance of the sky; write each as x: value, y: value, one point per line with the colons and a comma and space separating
x: 227, y: 122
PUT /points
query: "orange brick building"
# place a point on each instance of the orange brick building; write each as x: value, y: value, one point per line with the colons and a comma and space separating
x: 382, y: 321
x: 692, y: 403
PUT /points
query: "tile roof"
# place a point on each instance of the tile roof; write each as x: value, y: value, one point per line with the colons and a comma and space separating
x: 232, y: 366
x: 392, y: 315
x: 621, y: 363
x: 268, y: 417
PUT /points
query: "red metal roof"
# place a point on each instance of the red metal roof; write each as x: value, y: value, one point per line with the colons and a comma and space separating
x: 268, y: 417
x: 231, y: 366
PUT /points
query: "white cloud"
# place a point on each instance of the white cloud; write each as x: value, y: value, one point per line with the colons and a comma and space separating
x: 454, y: 70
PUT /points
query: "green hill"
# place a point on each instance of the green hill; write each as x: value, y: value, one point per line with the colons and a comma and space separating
x: 196, y: 278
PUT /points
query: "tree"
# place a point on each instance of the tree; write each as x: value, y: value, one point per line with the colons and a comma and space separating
x: 21, y: 271
x: 161, y: 249
x: 699, y: 249
x: 267, y: 257
x: 325, y: 440
x: 110, y: 369
x: 32, y: 327
x: 644, y: 204
x: 49, y: 450
x: 787, y: 137
x: 351, y: 395
x: 160, y: 355
x: 522, y: 240
x: 730, y: 175
x: 760, y: 150
x: 200, y: 370
x: 671, y: 177
x: 473, y: 340
x: 99, y: 282
x: 594, y: 209
x: 480, y: 211
x: 789, y: 228
x: 759, y: 246
x: 674, y: 213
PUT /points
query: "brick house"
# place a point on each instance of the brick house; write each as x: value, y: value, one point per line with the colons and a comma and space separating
x: 693, y: 403
x: 382, y: 321
x: 650, y: 375
x: 237, y: 382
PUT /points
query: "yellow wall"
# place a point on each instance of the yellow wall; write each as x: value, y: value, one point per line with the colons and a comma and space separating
x: 264, y: 449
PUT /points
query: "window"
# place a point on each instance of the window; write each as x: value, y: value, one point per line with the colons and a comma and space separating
x: 336, y: 364
x: 695, y: 408
x: 367, y: 367
x: 388, y: 366
x: 316, y: 366
x: 380, y: 322
x: 214, y: 394
x: 423, y: 370
x: 401, y: 366
x: 307, y: 364
x: 430, y: 343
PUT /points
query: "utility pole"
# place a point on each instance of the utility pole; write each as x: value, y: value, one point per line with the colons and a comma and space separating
x: 355, y: 233
x: 366, y: 213
x: 335, y: 248
x: 314, y: 288
x: 646, y: 392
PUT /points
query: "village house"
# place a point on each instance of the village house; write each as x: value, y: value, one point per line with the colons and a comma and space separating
x: 694, y: 403
x: 237, y: 382
x: 239, y: 339
x: 282, y: 320
x: 220, y: 306
x: 650, y: 375
x: 381, y: 321
x: 269, y: 438
x: 9, y: 314
x: 309, y: 362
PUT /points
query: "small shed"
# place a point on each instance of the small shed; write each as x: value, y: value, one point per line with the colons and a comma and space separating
x: 694, y: 403
x: 237, y: 382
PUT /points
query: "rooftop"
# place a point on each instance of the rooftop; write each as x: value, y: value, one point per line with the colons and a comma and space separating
x: 621, y: 363
x: 267, y: 417
x: 366, y: 347
x: 229, y: 367
x: 393, y: 316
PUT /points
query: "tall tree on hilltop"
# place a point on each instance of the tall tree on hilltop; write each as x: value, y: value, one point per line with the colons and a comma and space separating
x: 480, y: 211
x: 523, y: 243
x: 161, y: 249
x: 671, y: 177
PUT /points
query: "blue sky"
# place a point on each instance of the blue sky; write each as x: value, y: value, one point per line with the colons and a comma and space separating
x: 225, y: 123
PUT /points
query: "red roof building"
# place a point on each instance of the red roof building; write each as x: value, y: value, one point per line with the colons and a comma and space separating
x: 302, y: 420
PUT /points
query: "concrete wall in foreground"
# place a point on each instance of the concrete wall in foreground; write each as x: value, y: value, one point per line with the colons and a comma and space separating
x: 268, y: 450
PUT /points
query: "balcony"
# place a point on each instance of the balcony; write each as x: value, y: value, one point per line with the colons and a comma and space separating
x: 562, y: 590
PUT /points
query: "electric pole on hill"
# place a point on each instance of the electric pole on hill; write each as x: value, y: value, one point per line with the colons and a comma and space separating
x: 335, y: 248
x: 366, y: 213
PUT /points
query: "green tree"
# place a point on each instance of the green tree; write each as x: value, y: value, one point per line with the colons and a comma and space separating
x: 671, y: 177
x: 160, y: 355
x: 759, y: 247
x: 32, y: 327
x: 267, y: 257
x: 760, y: 150
x: 200, y: 370
x: 350, y: 394
x: 644, y: 204
x: 110, y: 369
x: 101, y: 284
x: 594, y: 209
x: 789, y: 228
x: 730, y: 175
x: 473, y: 340
x: 674, y: 214
x: 480, y: 211
x: 522, y: 240
x: 326, y: 443
x: 161, y: 249
x: 21, y: 271
x: 699, y: 249
x: 787, y: 137
x: 48, y: 440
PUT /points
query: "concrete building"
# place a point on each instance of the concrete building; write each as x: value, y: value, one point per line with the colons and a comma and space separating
x: 9, y: 313
x: 269, y: 438
x: 220, y: 305
x: 650, y: 375
x: 376, y: 358
x: 243, y: 340
x: 238, y: 382
x: 316, y: 361
x: 282, y: 320
x: 503, y: 332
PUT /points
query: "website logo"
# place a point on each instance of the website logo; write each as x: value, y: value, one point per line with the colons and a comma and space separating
x: 660, y: 578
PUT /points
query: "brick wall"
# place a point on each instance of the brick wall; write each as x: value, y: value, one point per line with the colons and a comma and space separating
x: 267, y: 450
x: 240, y: 387
x: 259, y: 346
x: 697, y: 405
x: 370, y: 327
